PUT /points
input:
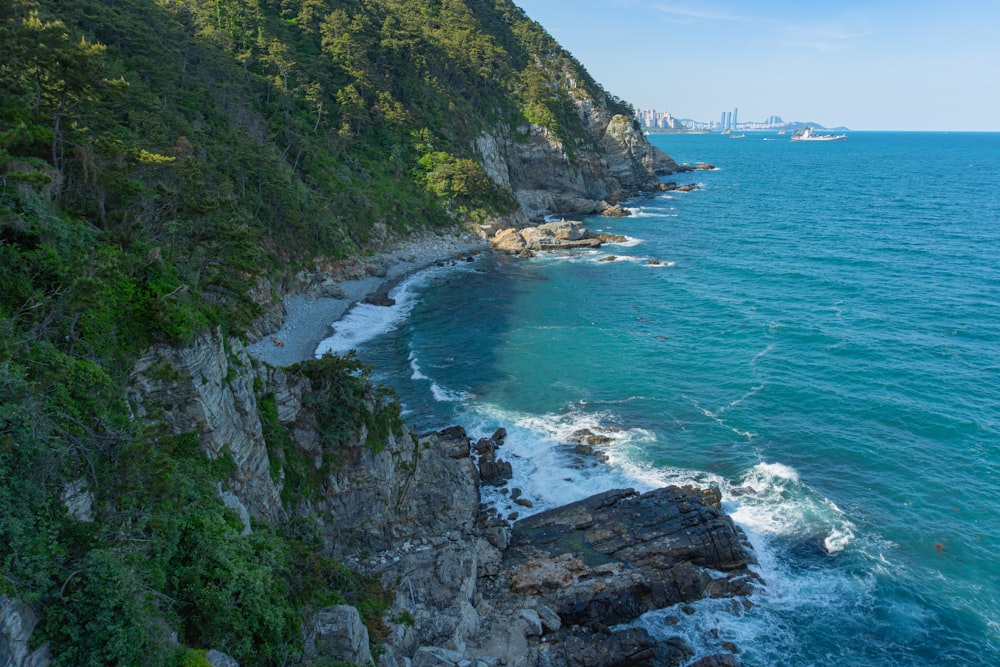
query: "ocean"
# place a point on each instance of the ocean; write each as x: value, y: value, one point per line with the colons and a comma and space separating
x: 816, y: 331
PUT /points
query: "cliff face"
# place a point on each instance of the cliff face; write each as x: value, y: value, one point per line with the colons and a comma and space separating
x: 365, y: 494
x: 406, y: 508
x: 611, y: 160
x: 207, y: 388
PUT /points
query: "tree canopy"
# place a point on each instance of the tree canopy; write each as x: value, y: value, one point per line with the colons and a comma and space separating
x: 157, y: 158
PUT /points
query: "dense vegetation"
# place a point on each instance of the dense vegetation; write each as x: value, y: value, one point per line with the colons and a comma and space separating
x: 157, y: 157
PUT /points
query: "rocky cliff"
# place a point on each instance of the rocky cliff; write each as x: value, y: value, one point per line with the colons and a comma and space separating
x: 177, y: 162
x: 469, y: 587
x: 613, y: 161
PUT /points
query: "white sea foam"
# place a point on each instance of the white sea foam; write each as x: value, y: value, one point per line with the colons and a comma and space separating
x: 443, y: 395
x: 753, y: 391
x: 761, y: 631
x: 716, y: 416
x: 769, y: 501
x: 546, y: 468
x: 612, y: 259
x: 416, y: 374
x: 362, y: 323
x: 365, y: 321
x: 763, y: 353
x: 773, y: 502
x: 646, y: 212
x: 550, y: 473
x: 777, y: 510
x: 774, y: 470
x: 568, y: 256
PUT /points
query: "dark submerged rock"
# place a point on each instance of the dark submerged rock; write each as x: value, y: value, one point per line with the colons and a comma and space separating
x: 379, y: 299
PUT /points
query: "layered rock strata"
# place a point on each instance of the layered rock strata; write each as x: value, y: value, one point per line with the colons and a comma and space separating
x: 549, y: 590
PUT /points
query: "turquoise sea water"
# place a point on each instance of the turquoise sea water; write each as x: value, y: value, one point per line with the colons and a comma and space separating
x: 821, y: 340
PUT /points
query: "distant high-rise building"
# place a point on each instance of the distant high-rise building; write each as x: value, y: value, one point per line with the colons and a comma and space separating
x: 736, y: 111
x: 722, y: 121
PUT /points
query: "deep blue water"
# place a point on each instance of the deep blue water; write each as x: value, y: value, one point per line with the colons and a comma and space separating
x: 821, y: 340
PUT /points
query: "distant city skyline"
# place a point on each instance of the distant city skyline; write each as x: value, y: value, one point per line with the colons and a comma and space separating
x: 729, y: 119
x: 872, y: 65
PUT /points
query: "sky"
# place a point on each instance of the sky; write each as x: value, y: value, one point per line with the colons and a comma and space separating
x: 863, y: 64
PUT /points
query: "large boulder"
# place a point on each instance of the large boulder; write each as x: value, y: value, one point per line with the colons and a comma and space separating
x: 611, y: 557
x: 17, y: 622
x: 510, y: 241
x: 219, y: 659
x: 632, y: 647
x: 560, y: 235
x: 337, y: 633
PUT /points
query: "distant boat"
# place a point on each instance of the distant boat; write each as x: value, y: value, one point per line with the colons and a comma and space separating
x: 807, y: 134
x: 737, y: 136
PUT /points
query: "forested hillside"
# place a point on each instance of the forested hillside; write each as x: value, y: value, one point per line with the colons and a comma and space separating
x: 159, y: 159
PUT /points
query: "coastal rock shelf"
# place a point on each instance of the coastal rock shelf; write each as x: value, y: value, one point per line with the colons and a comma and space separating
x: 562, y: 235
x: 547, y: 590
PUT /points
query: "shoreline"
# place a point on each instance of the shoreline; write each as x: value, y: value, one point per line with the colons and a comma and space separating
x: 310, y: 315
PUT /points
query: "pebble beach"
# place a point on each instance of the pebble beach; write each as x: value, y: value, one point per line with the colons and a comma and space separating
x: 309, y: 316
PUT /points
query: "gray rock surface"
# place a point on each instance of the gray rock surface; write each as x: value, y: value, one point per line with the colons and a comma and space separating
x: 337, y: 633
x: 633, y: 647
x: 79, y: 500
x: 611, y: 557
x: 568, y: 574
x: 375, y: 499
x: 547, y: 177
x: 208, y: 388
x: 17, y: 622
x: 220, y: 659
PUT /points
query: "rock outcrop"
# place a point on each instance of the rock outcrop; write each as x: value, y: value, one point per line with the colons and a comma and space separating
x: 547, y: 175
x: 469, y: 587
x: 17, y: 622
x: 631, y: 554
x: 562, y: 235
x: 567, y: 575
x: 208, y: 388
x: 337, y: 631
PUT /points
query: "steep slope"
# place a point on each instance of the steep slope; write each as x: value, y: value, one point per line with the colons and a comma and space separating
x: 166, y: 166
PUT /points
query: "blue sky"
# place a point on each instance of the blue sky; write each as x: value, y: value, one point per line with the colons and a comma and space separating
x: 868, y: 64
